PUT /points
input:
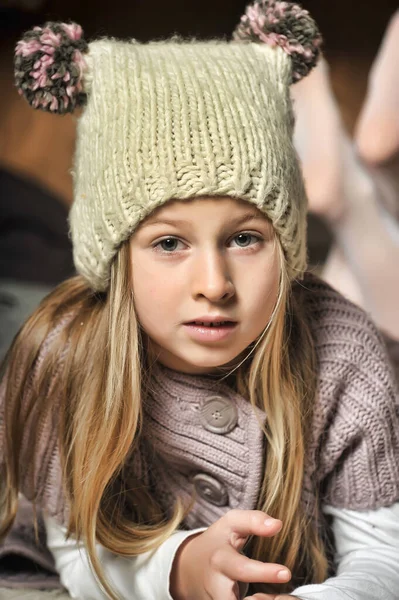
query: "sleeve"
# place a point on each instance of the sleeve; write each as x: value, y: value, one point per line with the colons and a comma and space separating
x: 137, y: 578
x: 367, y: 557
x: 354, y: 453
x: 38, y: 458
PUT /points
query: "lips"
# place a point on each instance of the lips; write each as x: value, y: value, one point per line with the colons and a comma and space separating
x: 212, y: 321
x: 210, y: 330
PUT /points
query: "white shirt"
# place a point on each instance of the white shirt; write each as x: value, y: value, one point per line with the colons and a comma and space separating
x: 367, y: 557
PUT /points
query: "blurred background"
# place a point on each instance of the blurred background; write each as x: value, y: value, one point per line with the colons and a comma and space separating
x: 36, y: 148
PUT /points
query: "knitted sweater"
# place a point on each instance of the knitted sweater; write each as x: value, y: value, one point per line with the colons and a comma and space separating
x: 352, y: 459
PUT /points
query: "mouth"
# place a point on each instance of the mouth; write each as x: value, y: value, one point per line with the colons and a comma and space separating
x: 212, y: 323
x: 207, y: 331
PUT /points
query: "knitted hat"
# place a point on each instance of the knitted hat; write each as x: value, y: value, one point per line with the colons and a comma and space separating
x: 176, y: 120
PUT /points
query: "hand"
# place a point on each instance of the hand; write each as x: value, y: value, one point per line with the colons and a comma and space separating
x: 209, y: 565
x: 268, y: 597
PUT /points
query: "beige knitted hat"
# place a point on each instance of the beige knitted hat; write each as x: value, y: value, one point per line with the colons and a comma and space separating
x: 176, y: 120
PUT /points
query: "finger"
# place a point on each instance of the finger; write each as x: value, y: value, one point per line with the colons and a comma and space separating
x: 262, y: 597
x: 237, y: 525
x: 268, y: 597
x: 238, y: 567
x: 377, y: 130
x: 222, y: 587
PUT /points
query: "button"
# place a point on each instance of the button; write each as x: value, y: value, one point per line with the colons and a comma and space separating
x: 210, y: 489
x: 218, y: 415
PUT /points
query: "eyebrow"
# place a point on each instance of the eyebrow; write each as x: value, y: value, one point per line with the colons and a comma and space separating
x: 231, y: 222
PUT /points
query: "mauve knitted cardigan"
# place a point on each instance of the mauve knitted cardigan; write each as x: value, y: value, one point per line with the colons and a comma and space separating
x: 353, y: 457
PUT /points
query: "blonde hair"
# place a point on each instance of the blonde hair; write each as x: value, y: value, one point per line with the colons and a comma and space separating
x: 282, y: 382
x: 100, y: 418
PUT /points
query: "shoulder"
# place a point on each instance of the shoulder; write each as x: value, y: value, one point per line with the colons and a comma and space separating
x: 355, y: 429
x: 42, y: 343
x: 30, y: 401
x: 331, y: 313
x: 347, y: 342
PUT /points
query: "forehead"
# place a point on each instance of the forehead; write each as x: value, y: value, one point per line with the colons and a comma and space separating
x: 193, y: 209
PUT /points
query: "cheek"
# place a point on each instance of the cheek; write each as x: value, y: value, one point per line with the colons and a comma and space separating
x: 144, y: 289
x: 154, y: 294
x: 264, y: 285
x: 146, y: 295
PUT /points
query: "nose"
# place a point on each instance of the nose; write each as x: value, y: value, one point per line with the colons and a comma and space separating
x: 211, y: 278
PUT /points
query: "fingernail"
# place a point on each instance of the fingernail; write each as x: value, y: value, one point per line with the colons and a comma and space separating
x: 269, y: 521
x: 284, y: 575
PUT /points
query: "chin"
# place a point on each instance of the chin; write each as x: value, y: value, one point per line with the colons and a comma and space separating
x: 206, y: 363
x: 198, y: 360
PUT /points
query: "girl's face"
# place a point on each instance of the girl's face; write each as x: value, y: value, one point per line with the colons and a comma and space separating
x: 208, y: 260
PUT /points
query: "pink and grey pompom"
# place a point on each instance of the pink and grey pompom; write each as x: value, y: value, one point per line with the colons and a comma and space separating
x: 49, y: 67
x: 284, y: 24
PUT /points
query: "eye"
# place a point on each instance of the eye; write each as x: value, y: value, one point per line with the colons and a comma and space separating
x: 245, y: 239
x: 168, y: 245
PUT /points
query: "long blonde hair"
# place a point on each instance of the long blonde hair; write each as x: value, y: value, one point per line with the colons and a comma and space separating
x: 282, y: 381
x: 99, y: 361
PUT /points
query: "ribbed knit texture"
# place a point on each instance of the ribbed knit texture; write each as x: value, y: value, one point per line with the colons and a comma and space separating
x: 178, y: 446
x: 170, y: 120
x: 353, y: 458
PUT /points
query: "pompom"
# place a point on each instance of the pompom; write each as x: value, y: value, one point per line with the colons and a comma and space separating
x: 49, y: 67
x: 284, y: 24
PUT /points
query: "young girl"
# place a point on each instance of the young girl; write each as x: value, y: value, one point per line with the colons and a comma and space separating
x: 195, y: 416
